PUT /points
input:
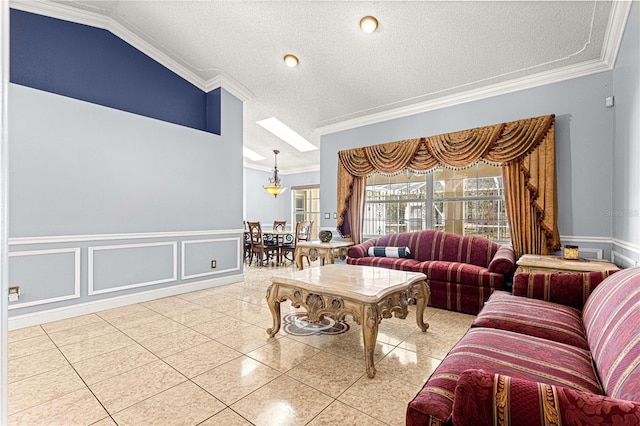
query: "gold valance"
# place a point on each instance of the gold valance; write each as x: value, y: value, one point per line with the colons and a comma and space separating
x: 501, y: 144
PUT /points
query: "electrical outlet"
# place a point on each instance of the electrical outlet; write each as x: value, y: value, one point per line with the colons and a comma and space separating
x: 14, y: 294
x: 213, y: 264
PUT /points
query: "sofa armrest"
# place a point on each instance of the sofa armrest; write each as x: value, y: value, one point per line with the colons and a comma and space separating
x: 360, y: 250
x: 483, y: 398
x: 504, y: 261
x: 566, y: 289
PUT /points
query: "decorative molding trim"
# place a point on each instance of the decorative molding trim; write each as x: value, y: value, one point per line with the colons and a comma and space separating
x: 205, y: 274
x: 582, y: 239
x: 41, y: 317
x: 315, y: 168
x: 108, y: 237
x: 548, y: 77
x: 174, y: 277
x: 615, y: 30
x: 235, y: 88
x: 67, y: 13
x: 634, y: 248
x: 599, y: 252
x: 629, y: 261
x: 76, y: 276
x: 625, y: 259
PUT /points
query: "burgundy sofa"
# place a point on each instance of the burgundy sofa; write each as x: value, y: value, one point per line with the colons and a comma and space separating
x: 462, y: 272
x: 539, y: 357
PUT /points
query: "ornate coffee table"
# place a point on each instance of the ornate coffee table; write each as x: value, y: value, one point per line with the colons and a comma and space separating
x: 366, y: 293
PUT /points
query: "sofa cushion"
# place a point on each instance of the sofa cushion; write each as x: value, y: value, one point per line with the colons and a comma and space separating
x: 485, y: 398
x: 460, y: 273
x: 400, y: 264
x: 566, y: 289
x: 503, y: 352
x: 612, y: 322
x: 457, y: 248
x: 534, y: 318
x: 389, y: 251
x: 504, y: 261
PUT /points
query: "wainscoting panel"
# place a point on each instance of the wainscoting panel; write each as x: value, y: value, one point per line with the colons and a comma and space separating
x: 44, y: 276
x: 119, y: 267
x: 198, y: 254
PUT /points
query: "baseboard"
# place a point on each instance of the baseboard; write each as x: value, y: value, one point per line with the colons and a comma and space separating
x: 57, y: 314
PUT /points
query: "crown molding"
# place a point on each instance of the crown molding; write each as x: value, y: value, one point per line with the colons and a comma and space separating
x: 510, y: 86
x: 308, y: 169
x: 615, y: 30
x: 613, y: 38
x: 235, y: 88
x: 67, y: 13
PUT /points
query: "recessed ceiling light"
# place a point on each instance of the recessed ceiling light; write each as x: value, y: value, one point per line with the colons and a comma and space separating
x: 368, y: 24
x: 290, y: 60
x: 251, y: 154
x: 285, y: 133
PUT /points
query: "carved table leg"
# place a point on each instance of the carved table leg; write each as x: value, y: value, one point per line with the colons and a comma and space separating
x: 274, y: 307
x: 422, y: 299
x: 369, y: 335
x: 298, y: 257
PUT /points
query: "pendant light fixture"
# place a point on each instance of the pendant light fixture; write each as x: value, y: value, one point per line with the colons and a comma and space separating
x: 275, y: 188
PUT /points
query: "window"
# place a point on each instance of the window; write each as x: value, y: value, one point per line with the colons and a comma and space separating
x: 307, y: 206
x: 465, y: 202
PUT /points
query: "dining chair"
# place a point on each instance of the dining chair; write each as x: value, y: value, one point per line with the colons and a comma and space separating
x: 258, y: 247
x: 302, y: 233
x: 279, y: 225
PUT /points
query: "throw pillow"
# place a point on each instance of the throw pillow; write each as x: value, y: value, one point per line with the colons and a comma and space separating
x: 389, y: 252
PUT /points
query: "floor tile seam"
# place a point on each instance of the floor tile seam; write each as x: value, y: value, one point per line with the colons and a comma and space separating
x: 162, y: 391
x: 364, y: 412
x: 84, y: 382
x: 353, y: 408
x: 335, y: 398
x: 120, y: 316
x: 171, y: 332
x: 67, y: 319
x: 80, y: 387
x: 193, y: 347
x: 148, y: 397
x: 25, y: 338
x: 226, y: 408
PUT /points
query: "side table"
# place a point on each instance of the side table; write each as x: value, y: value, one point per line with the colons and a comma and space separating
x: 325, y: 251
x: 549, y: 264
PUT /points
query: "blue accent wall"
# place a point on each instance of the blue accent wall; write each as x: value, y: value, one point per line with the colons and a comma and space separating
x: 93, y: 65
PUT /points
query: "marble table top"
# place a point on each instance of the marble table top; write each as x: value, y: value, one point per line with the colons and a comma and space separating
x: 363, y: 283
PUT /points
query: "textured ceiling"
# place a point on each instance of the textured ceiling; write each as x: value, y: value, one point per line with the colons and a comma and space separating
x: 422, y: 54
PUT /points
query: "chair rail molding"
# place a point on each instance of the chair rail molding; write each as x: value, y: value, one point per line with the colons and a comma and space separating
x: 118, y: 236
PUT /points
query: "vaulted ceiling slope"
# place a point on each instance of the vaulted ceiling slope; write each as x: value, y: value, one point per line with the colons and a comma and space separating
x: 424, y: 55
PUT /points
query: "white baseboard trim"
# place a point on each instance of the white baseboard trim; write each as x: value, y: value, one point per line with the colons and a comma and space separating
x: 57, y: 314
x: 629, y: 261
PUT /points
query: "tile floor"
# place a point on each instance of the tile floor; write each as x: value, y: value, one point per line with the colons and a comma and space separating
x: 204, y: 358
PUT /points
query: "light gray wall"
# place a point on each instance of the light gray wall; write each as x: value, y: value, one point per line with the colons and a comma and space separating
x: 584, y: 142
x: 626, y: 152
x: 262, y: 207
x: 106, y: 204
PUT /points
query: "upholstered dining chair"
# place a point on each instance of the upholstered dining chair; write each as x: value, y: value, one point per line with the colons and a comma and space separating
x: 259, y: 249
x: 279, y: 225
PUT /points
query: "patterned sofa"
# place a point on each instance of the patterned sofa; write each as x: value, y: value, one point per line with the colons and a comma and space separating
x: 529, y: 361
x: 462, y: 271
